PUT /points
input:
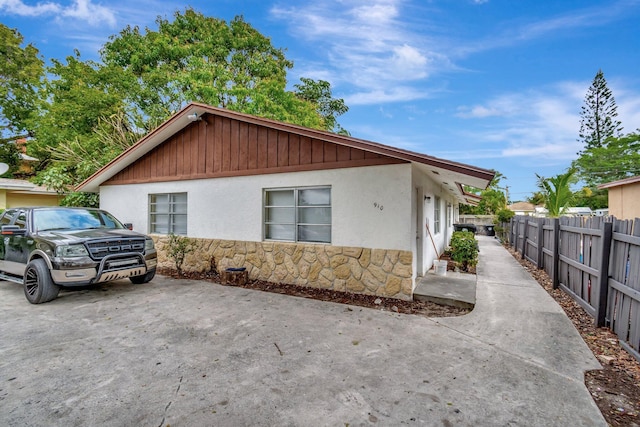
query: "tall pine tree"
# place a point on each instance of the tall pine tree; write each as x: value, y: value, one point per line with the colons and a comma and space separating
x: 598, y: 115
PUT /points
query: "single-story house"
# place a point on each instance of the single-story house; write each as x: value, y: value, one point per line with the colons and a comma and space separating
x: 288, y: 203
x: 18, y: 192
x: 624, y: 197
x: 522, y: 208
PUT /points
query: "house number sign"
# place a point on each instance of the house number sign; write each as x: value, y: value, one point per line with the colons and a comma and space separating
x: 378, y: 205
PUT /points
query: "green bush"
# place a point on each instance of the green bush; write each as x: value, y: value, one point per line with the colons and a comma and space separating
x: 504, y: 215
x: 464, y: 249
x: 179, y: 247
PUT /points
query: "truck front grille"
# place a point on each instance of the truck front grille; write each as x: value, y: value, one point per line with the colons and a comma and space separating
x: 101, y: 248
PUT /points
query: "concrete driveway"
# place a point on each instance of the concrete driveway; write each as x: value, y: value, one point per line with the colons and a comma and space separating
x: 190, y: 353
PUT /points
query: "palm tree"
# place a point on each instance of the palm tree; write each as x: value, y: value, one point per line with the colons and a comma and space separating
x: 557, y: 192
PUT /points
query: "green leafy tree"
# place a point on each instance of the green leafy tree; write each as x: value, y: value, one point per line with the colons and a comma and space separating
x: 88, y: 112
x: 557, y: 192
x: 594, y: 199
x: 598, y: 114
x: 536, y: 198
x: 77, y: 97
x: 492, y: 198
x: 204, y: 59
x: 318, y: 93
x: 21, y: 73
x: 616, y: 158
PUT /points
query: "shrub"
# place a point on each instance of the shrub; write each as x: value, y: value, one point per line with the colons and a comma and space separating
x: 464, y: 249
x: 179, y: 247
x: 504, y: 215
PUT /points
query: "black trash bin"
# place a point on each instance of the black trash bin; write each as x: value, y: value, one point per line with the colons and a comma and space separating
x: 465, y: 227
x: 490, y: 230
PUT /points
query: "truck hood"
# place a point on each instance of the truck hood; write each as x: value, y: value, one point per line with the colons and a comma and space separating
x: 79, y: 236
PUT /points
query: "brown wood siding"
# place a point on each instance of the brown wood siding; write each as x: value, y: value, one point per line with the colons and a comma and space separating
x: 222, y: 146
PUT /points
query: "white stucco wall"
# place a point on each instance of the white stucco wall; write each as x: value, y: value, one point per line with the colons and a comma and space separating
x: 371, y: 206
x: 424, y: 186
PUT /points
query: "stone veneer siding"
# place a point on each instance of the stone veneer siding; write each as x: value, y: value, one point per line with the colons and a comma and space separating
x: 382, y: 272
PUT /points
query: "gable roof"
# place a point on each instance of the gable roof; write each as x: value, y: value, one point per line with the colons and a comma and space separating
x: 522, y: 206
x: 22, y: 186
x: 452, y: 175
x: 625, y: 181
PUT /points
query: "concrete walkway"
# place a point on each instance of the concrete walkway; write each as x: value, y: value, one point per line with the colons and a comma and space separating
x: 181, y: 352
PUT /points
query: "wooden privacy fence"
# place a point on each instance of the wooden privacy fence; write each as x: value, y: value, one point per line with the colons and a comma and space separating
x: 596, y: 260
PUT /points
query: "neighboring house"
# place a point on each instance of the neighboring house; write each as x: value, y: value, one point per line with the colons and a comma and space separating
x: 523, y: 208
x: 541, y: 211
x: 624, y: 197
x: 17, y: 192
x: 291, y: 204
x: 578, y: 211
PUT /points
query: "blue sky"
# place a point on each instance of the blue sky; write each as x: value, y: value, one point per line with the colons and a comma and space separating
x: 493, y: 83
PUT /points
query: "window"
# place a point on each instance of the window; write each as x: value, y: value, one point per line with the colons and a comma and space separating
x: 298, y: 214
x: 436, y: 215
x: 449, y: 214
x: 168, y: 213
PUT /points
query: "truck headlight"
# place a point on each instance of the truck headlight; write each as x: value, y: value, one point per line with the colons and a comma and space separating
x: 148, y: 244
x: 70, y: 251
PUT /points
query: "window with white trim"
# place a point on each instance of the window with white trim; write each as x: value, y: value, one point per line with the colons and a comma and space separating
x: 298, y: 214
x: 436, y: 215
x: 168, y: 213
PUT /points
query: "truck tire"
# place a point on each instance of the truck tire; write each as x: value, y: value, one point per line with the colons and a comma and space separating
x: 38, y: 286
x: 138, y: 280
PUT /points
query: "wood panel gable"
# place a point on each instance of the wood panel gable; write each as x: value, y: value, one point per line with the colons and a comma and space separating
x: 219, y: 146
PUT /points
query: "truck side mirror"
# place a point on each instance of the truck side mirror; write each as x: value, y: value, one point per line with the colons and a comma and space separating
x: 128, y: 225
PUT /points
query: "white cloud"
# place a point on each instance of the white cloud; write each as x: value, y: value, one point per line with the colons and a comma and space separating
x: 93, y: 14
x: 17, y: 7
x: 588, y: 17
x: 541, y: 123
x: 367, y: 47
x: 81, y: 10
x: 385, y: 95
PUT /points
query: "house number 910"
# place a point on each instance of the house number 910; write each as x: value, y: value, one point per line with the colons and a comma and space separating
x: 378, y: 205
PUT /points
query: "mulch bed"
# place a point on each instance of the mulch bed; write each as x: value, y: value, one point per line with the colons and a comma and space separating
x: 615, y: 388
x: 427, y: 309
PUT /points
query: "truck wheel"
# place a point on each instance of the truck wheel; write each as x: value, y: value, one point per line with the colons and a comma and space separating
x: 38, y: 286
x: 138, y: 280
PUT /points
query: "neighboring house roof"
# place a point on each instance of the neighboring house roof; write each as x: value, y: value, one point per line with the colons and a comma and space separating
x: 451, y: 175
x: 22, y: 186
x: 626, y: 181
x: 522, y: 206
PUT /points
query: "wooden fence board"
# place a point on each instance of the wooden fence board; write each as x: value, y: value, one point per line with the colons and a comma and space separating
x: 634, y: 283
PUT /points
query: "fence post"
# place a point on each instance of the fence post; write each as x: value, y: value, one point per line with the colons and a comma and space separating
x: 511, y: 243
x: 556, y: 253
x: 524, y: 237
x: 603, y: 278
x: 540, y: 262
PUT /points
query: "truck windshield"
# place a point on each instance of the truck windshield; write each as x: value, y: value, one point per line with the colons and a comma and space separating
x: 73, y: 219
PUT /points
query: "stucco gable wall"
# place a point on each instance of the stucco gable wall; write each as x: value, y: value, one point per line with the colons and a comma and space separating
x: 624, y: 201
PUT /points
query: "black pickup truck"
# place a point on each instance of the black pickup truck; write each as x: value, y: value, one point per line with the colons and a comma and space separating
x: 45, y: 248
